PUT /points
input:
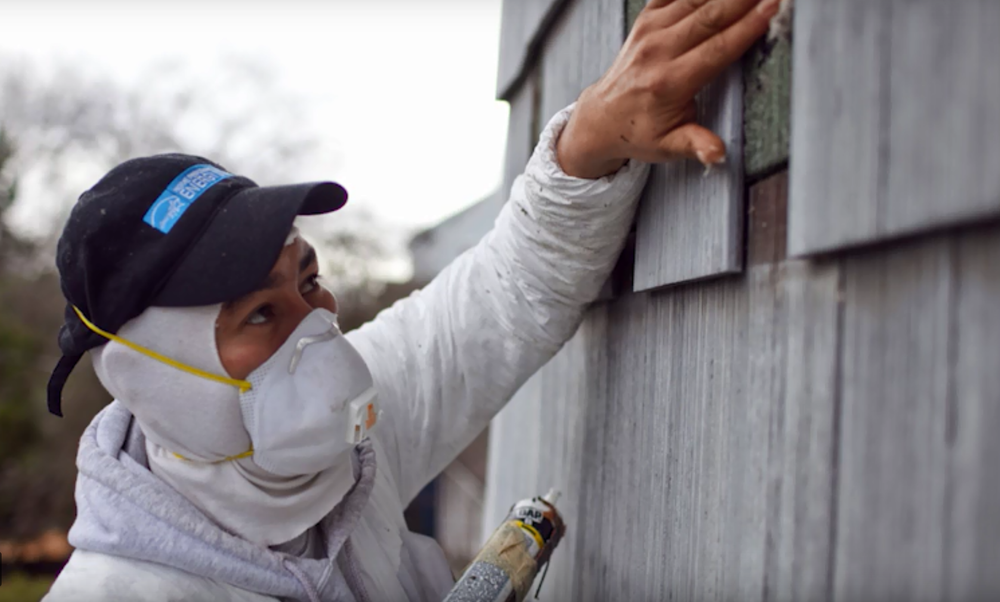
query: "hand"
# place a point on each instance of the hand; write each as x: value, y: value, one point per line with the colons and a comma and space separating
x: 643, y: 106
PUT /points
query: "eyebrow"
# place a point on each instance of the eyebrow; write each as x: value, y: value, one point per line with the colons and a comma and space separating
x: 274, y: 281
x: 308, y: 259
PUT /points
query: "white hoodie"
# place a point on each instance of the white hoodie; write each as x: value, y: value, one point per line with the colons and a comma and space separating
x: 445, y: 360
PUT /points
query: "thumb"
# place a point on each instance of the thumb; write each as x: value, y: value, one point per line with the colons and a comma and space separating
x: 691, y: 141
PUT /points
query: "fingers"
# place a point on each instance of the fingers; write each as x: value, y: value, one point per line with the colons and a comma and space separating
x: 709, y: 20
x: 706, y: 61
x: 676, y: 11
x: 691, y: 141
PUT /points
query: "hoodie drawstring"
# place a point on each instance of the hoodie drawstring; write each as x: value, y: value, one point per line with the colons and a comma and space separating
x: 349, y: 567
x: 303, y: 580
x: 349, y: 511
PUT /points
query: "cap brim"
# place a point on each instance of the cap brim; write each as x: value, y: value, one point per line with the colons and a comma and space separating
x: 241, y: 244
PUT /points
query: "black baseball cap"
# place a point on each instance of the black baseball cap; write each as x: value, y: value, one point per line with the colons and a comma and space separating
x: 171, y: 231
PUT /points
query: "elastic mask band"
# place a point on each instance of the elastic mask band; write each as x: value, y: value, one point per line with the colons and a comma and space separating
x: 242, y: 385
x: 245, y: 454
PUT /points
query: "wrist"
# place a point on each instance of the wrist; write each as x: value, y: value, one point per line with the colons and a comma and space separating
x: 581, y: 152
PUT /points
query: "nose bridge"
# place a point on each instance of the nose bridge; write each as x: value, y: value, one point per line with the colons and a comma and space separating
x: 296, y: 309
x: 300, y: 309
x: 304, y: 342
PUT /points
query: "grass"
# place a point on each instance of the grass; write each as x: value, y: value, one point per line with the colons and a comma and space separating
x: 18, y: 587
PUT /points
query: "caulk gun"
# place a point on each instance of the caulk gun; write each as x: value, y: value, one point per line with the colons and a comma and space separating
x: 505, y: 568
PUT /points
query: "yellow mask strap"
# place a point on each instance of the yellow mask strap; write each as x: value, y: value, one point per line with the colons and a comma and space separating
x: 242, y: 385
x: 245, y: 454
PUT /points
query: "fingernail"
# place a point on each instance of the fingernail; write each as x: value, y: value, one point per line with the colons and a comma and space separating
x: 720, y: 157
x: 768, y: 7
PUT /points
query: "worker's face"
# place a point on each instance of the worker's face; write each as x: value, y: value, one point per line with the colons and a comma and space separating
x: 250, y: 329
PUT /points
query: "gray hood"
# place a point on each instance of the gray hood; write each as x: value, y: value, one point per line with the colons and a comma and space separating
x: 124, y: 510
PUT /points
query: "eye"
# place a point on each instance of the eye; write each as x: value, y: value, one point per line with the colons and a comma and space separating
x: 261, y: 315
x: 311, y: 284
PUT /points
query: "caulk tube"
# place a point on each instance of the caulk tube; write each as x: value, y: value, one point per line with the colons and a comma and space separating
x: 505, y: 568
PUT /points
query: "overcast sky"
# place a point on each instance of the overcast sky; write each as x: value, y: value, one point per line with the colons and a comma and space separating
x: 400, y: 92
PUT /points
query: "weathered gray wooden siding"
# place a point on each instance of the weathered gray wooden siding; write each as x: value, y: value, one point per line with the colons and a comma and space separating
x: 525, y: 23
x: 689, y: 225
x: 895, y: 122
x: 808, y: 429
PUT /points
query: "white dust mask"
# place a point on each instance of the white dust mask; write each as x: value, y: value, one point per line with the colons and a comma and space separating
x: 194, y: 423
x: 311, y: 402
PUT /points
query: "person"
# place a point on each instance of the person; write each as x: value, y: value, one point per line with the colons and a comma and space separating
x: 254, y: 452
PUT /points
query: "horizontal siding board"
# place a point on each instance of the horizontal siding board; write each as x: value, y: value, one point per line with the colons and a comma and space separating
x: 894, y: 125
x: 689, y: 224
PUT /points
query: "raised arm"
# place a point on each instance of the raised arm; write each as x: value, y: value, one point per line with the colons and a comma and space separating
x: 446, y: 359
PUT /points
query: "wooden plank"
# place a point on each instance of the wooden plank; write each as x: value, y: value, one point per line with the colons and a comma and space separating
x: 895, y: 123
x: 524, y: 25
x: 603, y: 545
x: 754, y: 464
x: 520, y: 134
x: 583, y: 575
x: 837, y: 74
x: 582, y: 44
x: 974, y: 552
x: 689, y: 224
x: 566, y: 401
x: 893, y: 451
x: 800, y: 464
x: 512, y: 460
x: 944, y: 121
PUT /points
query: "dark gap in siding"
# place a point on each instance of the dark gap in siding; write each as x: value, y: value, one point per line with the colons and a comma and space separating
x: 632, y: 10
x: 766, y: 223
x: 764, y: 174
x: 623, y: 274
x: 536, y: 109
x: 838, y: 407
x: 891, y: 241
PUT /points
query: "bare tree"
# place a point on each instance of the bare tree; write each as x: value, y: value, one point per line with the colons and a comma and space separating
x: 69, y: 128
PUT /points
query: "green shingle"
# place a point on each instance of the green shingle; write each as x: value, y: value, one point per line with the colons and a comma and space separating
x: 768, y: 77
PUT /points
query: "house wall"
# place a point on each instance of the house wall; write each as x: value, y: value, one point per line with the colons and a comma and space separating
x: 809, y: 427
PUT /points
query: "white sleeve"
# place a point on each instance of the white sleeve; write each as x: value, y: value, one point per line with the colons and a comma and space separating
x: 447, y: 358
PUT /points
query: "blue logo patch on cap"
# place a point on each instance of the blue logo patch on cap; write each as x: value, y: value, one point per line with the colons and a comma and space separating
x: 180, y: 194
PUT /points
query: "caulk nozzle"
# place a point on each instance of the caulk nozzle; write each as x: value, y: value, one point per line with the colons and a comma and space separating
x: 552, y: 496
